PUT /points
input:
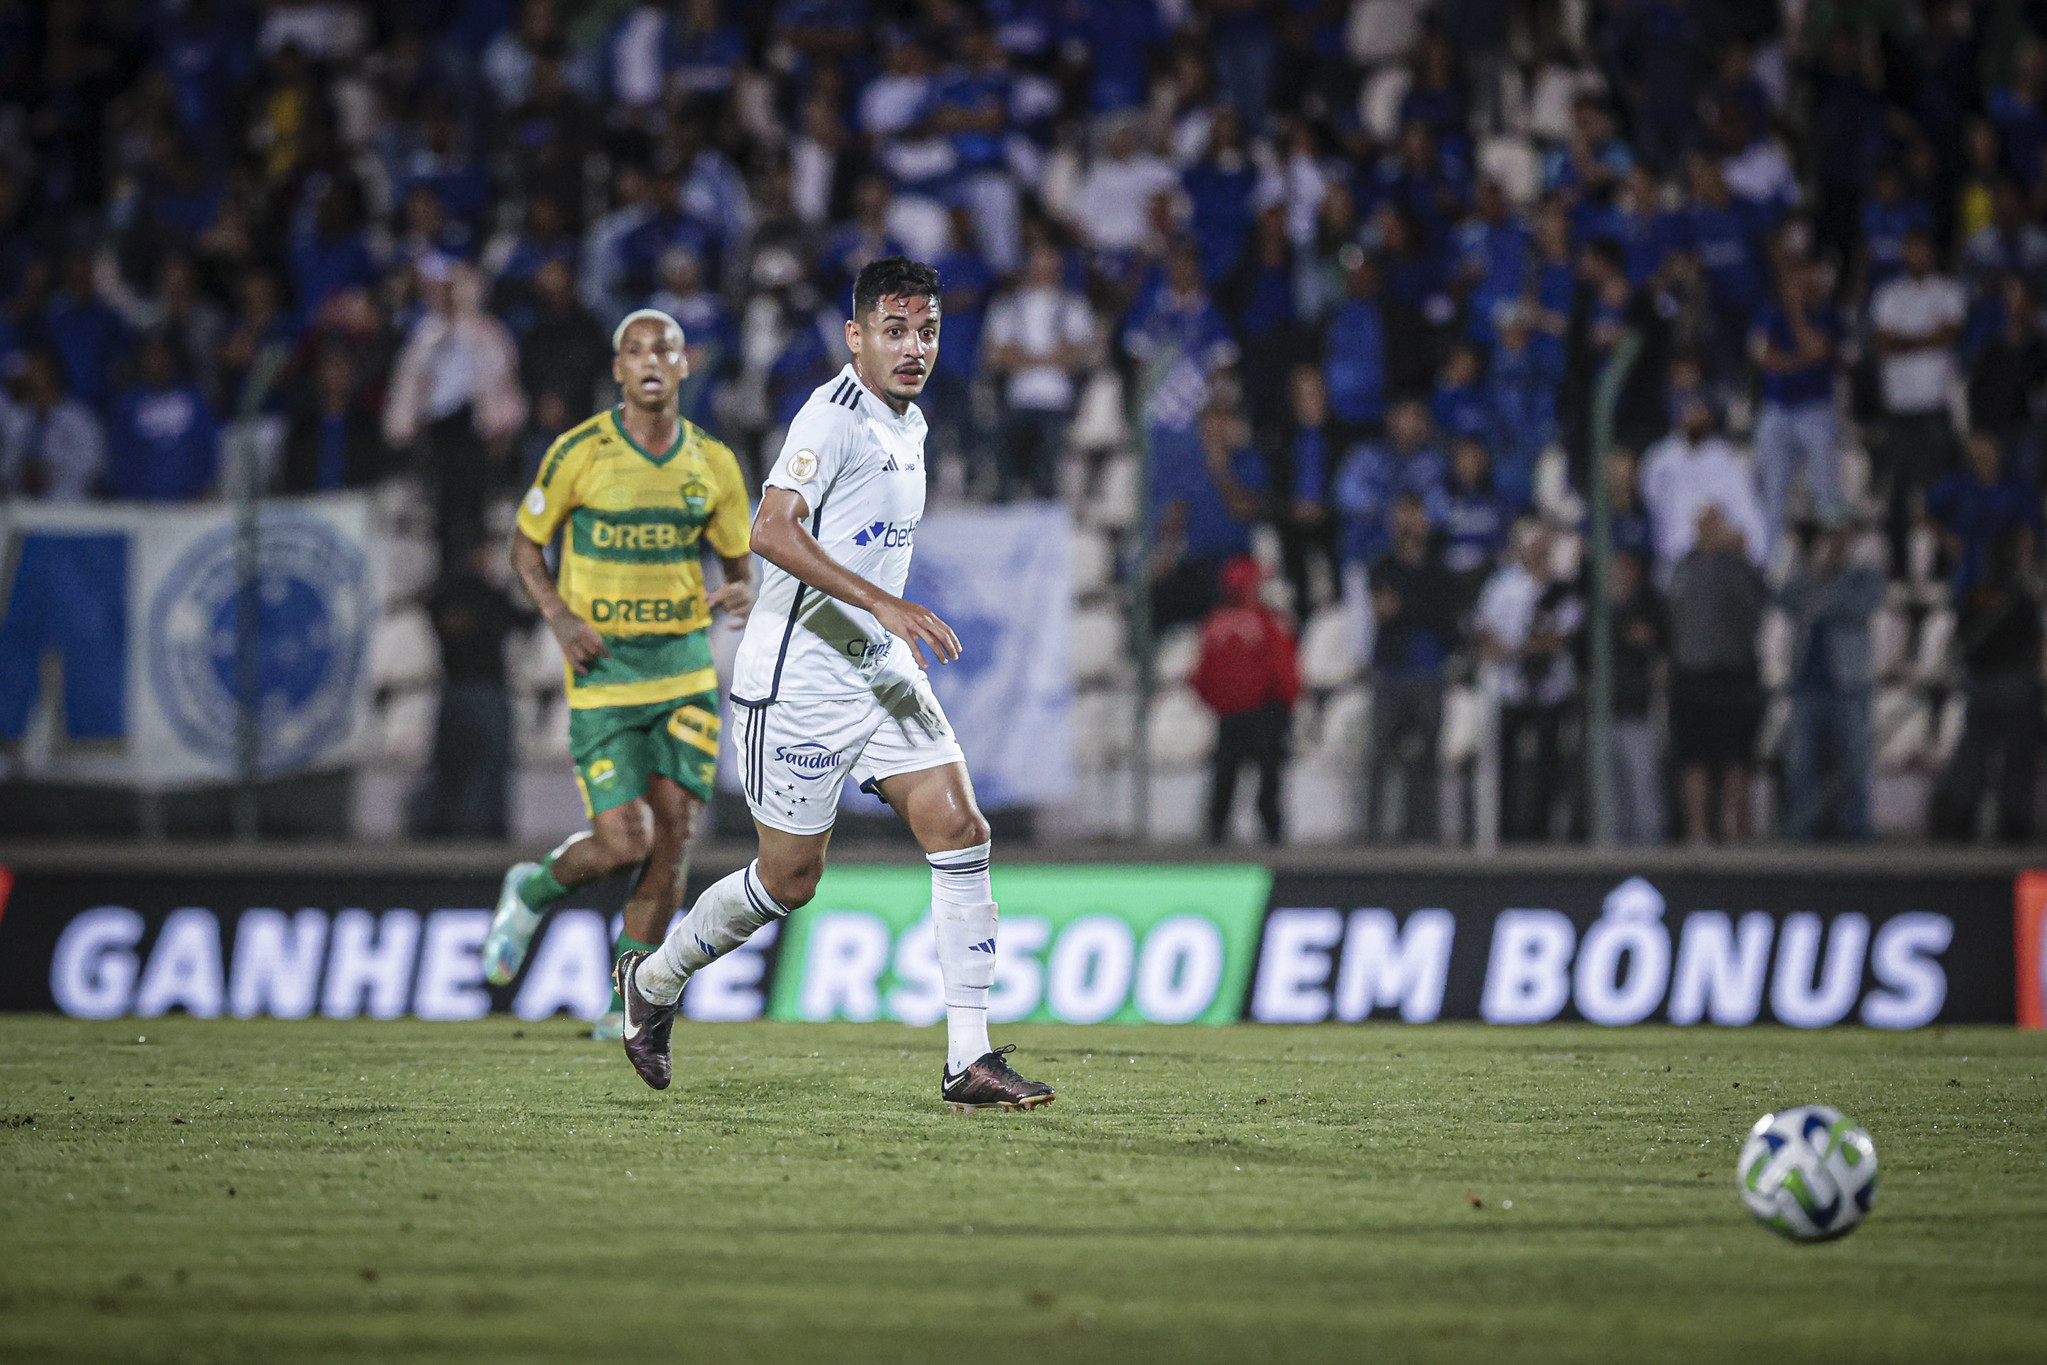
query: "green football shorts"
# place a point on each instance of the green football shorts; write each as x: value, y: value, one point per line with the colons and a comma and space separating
x: 617, y: 748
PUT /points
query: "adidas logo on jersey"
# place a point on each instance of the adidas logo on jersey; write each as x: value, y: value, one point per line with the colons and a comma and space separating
x: 986, y: 945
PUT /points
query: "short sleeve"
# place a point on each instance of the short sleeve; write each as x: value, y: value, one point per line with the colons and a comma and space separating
x: 552, y: 497
x: 813, y: 452
x: 730, y: 516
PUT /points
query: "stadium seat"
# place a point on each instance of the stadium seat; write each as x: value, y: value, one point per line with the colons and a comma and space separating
x: 1104, y: 721
x: 1093, y: 563
x: 411, y: 564
x: 1114, y: 504
x: 1181, y: 730
x: 1175, y: 656
x: 1901, y: 727
x: 1097, y: 644
x: 1930, y: 659
x: 1954, y: 713
x: 546, y: 740
x: 404, y: 652
x: 1098, y: 417
x: 1328, y: 650
x: 405, y: 727
x: 1343, y: 722
x: 1467, y: 723
x: 533, y: 660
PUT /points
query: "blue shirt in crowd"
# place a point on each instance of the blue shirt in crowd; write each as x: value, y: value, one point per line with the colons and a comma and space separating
x: 164, y: 445
x: 1372, y: 476
x: 1356, y: 368
x: 1727, y: 243
x: 1179, y: 473
x: 1977, y: 514
x: 1809, y: 383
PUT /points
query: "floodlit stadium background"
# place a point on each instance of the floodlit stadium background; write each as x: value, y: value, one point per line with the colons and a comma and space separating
x: 295, y: 294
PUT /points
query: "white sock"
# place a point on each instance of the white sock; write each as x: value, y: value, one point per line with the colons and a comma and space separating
x: 963, y: 915
x: 724, y: 917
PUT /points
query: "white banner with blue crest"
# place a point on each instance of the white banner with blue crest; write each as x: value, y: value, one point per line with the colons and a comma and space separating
x: 119, y: 629
x: 1002, y: 578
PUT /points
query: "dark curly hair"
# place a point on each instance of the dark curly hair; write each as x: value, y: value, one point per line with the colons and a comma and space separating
x: 889, y: 277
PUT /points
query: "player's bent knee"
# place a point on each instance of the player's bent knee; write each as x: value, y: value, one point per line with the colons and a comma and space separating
x: 964, y: 830
x: 792, y: 885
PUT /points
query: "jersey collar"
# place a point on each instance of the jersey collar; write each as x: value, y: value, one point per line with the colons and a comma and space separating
x: 681, y: 435
x: 910, y: 415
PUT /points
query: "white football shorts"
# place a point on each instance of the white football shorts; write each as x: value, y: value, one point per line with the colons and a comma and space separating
x: 795, y: 753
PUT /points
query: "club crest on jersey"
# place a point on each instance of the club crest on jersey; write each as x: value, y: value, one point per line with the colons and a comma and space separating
x: 889, y: 535
x: 803, y: 466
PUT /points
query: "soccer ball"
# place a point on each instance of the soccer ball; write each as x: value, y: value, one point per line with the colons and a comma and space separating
x: 1808, y: 1173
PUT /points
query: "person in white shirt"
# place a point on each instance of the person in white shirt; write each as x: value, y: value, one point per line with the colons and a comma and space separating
x: 1038, y: 338
x: 1692, y: 468
x: 830, y: 681
x: 51, y: 446
x: 1527, y: 621
x: 1111, y: 209
x: 1918, y: 318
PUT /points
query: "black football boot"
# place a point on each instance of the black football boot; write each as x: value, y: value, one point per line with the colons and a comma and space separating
x: 990, y: 1084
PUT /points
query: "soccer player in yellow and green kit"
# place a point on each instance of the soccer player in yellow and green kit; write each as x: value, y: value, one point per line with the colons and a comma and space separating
x: 637, y: 493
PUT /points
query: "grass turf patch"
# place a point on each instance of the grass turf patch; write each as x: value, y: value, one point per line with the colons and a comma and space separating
x: 316, y: 1191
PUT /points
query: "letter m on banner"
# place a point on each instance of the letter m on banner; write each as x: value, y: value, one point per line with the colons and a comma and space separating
x: 68, y: 598
x: 2029, y: 922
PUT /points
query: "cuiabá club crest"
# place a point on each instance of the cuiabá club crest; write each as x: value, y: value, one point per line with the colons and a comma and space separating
x: 314, y: 611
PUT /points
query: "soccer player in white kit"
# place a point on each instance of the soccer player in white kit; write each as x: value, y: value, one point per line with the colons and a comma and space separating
x: 830, y: 679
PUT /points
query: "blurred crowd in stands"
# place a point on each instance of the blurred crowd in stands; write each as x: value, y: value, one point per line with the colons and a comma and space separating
x: 1349, y: 272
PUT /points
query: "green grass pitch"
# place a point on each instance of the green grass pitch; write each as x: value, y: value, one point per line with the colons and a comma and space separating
x: 505, y: 1193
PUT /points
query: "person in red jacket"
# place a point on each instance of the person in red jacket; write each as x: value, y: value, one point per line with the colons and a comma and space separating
x: 1248, y: 676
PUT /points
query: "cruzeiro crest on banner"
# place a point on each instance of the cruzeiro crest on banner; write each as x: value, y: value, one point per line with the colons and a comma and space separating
x: 314, y: 612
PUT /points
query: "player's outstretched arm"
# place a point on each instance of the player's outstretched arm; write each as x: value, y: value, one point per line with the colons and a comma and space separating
x: 781, y: 538
x: 580, y: 643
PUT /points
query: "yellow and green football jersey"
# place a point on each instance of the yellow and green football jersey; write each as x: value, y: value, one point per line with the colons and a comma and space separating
x: 629, y: 558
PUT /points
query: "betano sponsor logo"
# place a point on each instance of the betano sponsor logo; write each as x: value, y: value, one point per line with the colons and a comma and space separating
x: 888, y: 535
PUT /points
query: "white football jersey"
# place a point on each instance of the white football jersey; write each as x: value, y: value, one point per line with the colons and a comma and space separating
x: 860, y: 470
